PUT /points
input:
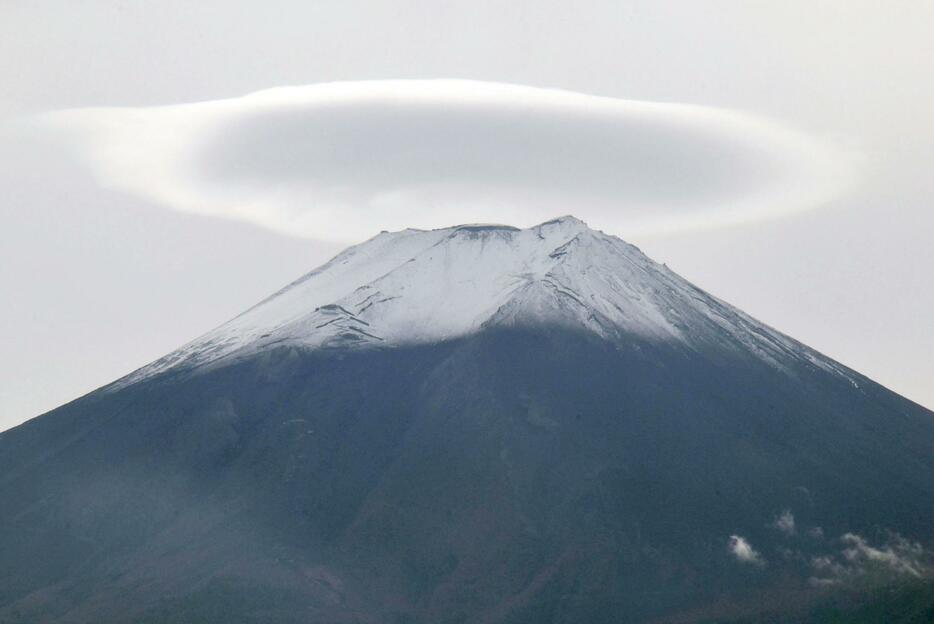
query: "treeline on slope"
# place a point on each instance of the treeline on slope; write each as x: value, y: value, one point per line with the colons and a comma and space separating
x: 902, y: 603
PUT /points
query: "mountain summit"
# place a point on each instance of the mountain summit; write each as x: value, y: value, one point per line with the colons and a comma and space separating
x: 419, y: 287
x: 477, y: 424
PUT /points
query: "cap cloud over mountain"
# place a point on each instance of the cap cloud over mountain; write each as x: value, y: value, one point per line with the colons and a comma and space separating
x: 332, y: 160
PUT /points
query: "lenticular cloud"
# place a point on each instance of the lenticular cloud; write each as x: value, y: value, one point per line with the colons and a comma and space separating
x: 334, y: 161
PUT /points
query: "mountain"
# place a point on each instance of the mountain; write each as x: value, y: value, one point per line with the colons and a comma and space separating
x: 474, y: 424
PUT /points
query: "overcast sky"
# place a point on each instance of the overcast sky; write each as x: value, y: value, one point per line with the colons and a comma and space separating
x: 125, y: 233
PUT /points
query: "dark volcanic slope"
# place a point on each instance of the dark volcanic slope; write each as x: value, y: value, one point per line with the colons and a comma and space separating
x: 513, y: 475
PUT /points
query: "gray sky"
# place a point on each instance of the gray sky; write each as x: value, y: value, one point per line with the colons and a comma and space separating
x: 99, y: 280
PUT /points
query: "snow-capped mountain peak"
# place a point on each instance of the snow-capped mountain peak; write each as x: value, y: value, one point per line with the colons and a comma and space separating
x: 418, y: 286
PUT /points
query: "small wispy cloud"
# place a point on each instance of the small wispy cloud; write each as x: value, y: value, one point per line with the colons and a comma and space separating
x: 743, y: 551
x: 858, y: 559
x: 785, y: 523
x: 899, y: 554
x: 340, y: 160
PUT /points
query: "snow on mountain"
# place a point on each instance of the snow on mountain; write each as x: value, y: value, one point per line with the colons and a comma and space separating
x: 416, y: 286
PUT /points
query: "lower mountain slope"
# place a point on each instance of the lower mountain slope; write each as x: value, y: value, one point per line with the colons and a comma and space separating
x: 519, y: 474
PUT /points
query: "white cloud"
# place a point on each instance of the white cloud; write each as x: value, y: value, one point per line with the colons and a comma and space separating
x: 899, y: 554
x: 859, y: 559
x: 340, y: 160
x: 743, y: 551
x: 827, y: 571
x: 785, y: 523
